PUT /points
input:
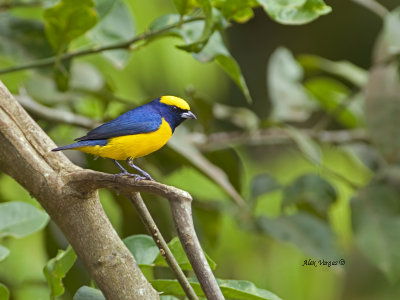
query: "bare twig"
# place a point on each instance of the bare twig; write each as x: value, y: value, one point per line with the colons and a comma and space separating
x: 53, y: 114
x: 182, y: 215
x: 152, y: 228
x: 10, y: 5
x: 124, y: 45
x: 373, y: 6
x: 180, y: 202
x: 274, y: 136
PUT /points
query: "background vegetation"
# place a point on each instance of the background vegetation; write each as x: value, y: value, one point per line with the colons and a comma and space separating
x: 294, y: 155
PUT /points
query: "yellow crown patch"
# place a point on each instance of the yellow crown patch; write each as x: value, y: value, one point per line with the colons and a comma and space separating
x: 176, y: 101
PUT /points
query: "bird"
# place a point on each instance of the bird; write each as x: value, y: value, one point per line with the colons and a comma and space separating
x: 136, y: 133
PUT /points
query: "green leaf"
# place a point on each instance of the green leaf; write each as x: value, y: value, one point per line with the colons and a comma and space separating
x: 231, y: 289
x: 376, y: 220
x: 290, y: 100
x: 67, y: 20
x: 23, y: 39
x: 344, y: 69
x: 19, y: 219
x: 310, y: 234
x: 4, y: 252
x: 4, y: 292
x: 207, y: 8
x: 177, y: 250
x: 215, y: 48
x: 294, y: 12
x: 143, y: 248
x: 391, y: 31
x: 310, y: 192
x: 334, y: 97
x: 184, y: 6
x: 166, y: 297
x: 306, y: 145
x: 242, y: 289
x: 88, y: 293
x: 263, y: 184
x: 116, y: 25
x: 172, y: 287
x: 211, y: 17
x: 57, y: 268
x: 171, y: 19
x: 238, y: 10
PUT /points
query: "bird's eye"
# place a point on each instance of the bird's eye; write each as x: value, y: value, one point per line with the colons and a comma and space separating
x: 174, y: 108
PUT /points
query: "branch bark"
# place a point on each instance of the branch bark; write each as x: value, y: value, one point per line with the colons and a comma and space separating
x: 25, y: 155
x: 69, y: 195
x: 180, y: 202
x: 152, y: 228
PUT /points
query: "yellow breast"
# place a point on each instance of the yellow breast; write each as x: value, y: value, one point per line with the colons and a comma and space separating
x: 137, y: 145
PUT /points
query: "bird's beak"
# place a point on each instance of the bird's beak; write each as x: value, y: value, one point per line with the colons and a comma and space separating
x: 188, y: 115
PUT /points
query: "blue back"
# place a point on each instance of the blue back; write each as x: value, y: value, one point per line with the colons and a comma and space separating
x: 142, y: 119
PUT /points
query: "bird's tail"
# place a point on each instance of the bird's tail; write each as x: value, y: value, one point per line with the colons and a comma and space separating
x: 81, y: 144
x: 67, y: 147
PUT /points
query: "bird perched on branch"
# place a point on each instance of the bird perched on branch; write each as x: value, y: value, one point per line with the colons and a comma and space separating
x: 136, y: 133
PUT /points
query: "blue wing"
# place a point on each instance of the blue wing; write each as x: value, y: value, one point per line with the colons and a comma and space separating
x: 141, y: 119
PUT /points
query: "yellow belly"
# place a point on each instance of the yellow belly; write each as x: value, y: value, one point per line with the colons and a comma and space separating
x: 137, y: 145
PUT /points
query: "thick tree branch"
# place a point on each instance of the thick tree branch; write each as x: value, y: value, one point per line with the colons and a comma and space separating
x: 25, y: 155
x: 180, y: 202
x: 69, y: 195
x: 128, y: 45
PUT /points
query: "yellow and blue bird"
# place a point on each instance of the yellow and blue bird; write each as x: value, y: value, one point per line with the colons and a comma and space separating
x: 136, y: 133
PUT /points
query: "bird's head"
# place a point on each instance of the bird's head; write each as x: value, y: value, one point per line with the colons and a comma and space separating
x: 174, y: 110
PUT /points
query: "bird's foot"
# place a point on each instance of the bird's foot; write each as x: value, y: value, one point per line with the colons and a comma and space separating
x: 146, y: 175
x: 135, y: 176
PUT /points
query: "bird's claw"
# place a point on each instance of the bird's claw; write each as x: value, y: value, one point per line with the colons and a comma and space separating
x: 135, y: 176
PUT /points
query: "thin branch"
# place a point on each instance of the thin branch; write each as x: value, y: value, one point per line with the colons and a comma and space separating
x: 53, y: 114
x: 67, y: 56
x: 180, y: 202
x: 152, y: 228
x: 273, y: 136
x: 10, y: 5
x: 374, y: 7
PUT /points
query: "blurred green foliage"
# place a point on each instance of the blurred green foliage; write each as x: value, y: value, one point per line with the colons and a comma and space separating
x: 278, y: 177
